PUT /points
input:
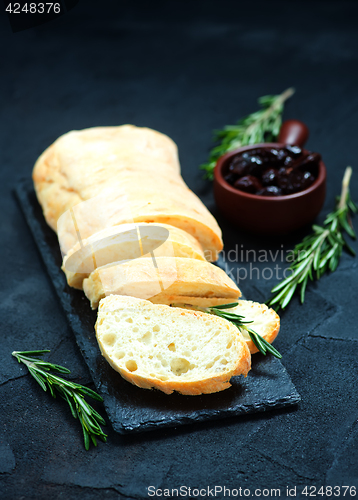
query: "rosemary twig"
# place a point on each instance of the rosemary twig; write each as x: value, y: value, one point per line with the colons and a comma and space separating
x: 239, y: 321
x: 320, y: 251
x: 71, y: 392
x: 262, y: 126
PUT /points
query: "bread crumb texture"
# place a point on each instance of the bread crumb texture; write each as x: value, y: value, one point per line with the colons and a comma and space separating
x: 170, y: 349
x: 265, y: 321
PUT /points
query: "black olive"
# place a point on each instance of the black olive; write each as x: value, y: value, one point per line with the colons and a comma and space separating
x: 249, y: 184
x: 284, y: 181
x: 256, y: 166
x: 280, y: 154
x: 308, y: 179
x: 252, y: 152
x: 230, y: 178
x: 310, y: 164
x: 288, y: 161
x: 300, y: 180
x: 267, y: 156
x: 269, y: 177
x: 294, y: 151
x: 236, y: 160
x: 239, y: 167
x: 296, y: 180
x: 240, y: 170
x: 282, y: 177
x: 270, y: 191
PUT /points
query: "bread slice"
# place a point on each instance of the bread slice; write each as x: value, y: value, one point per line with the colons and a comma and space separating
x: 126, y: 242
x: 265, y: 321
x: 169, y: 348
x: 165, y: 280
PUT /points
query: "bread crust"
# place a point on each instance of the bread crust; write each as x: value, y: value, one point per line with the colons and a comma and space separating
x: 266, y: 321
x: 204, y: 385
x: 124, y: 242
x: 140, y: 162
x: 189, y: 281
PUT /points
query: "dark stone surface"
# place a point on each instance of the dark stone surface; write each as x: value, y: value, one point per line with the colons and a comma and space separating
x: 7, y: 459
x: 129, y: 408
x: 344, y: 467
x: 184, y: 68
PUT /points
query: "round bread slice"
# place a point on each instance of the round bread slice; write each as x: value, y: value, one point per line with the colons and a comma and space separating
x: 169, y: 348
x: 265, y: 321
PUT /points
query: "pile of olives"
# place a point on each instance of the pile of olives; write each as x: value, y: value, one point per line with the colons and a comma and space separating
x: 273, y: 171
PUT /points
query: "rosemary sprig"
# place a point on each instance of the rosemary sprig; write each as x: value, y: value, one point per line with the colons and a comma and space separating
x: 320, y: 251
x: 239, y: 321
x: 262, y: 126
x: 262, y: 345
x: 71, y: 392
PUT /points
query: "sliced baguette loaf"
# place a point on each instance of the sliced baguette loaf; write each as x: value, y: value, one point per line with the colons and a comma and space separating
x: 96, y: 178
x: 168, y: 348
x: 126, y: 242
x: 168, y: 280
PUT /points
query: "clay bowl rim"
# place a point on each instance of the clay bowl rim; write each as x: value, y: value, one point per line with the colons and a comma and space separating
x: 218, y: 177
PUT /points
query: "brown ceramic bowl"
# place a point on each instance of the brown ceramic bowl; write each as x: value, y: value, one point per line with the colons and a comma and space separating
x: 265, y: 214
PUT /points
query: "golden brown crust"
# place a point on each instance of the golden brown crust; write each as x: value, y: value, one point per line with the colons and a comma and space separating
x: 126, y: 242
x: 180, y: 280
x: 189, y: 300
x: 142, y: 163
x: 207, y: 386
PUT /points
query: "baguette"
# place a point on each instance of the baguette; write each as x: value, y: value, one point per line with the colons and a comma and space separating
x: 170, y: 349
x: 111, y: 193
x: 168, y: 280
x: 126, y: 242
x: 97, y: 178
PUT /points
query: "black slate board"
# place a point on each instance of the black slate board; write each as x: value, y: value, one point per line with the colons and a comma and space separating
x: 129, y: 408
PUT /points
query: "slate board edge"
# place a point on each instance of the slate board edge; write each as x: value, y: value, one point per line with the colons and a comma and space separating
x: 289, y: 400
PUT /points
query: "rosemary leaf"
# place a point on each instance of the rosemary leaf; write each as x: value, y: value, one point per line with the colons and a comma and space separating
x: 31, y: 353
x: 88, y: 392
x: 288, y: 296
x: 257, y: 341
x: 303, y: 289
x: 227, y: 306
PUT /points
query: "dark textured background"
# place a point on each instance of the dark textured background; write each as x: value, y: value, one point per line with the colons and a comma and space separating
x: 184, y: 68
